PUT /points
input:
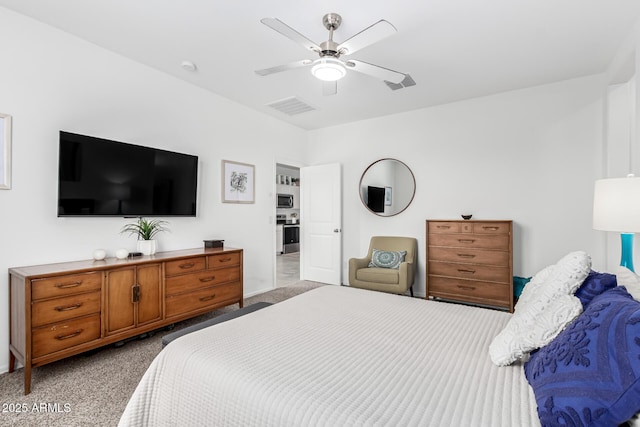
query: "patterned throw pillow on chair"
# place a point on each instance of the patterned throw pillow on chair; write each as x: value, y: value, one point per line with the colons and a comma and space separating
x: 387, y: 259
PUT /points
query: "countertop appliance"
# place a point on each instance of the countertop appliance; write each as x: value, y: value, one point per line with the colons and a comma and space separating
x: 285, y: 200
x: 290, y: 233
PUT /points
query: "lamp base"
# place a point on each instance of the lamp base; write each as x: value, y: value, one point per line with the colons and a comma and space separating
x: 626, y: 258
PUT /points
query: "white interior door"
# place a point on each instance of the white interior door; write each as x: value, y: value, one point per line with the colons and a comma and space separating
x: 321, y: 210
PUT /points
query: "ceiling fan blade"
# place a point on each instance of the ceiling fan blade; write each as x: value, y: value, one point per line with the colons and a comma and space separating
x: 369, y: 35
x: 284, y: 67
x: 329, y: 88
x: 375, y: 71
x: 287, y: 31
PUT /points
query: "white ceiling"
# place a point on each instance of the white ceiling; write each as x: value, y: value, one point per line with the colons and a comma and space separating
x: 453, y: 49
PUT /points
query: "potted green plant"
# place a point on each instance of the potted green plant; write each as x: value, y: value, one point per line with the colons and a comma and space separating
x: 146, y: 230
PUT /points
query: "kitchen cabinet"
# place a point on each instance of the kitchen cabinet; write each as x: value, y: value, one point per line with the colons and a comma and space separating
x: 279, y: 239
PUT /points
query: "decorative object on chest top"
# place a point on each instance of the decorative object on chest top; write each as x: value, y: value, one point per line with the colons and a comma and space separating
x: 616, y: 207
x: 470, y: 261
x: 146, y: 230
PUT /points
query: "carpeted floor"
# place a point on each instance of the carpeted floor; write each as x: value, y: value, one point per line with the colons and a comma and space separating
x: 92, y: 389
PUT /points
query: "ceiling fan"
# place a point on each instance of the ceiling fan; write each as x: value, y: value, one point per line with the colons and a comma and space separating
x: 329, y: 67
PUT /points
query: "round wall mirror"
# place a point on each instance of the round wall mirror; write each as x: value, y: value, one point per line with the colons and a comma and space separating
x: 387, y: 187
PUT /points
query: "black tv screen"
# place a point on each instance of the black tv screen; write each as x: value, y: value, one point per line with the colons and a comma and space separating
x: 375, y: 198
x: 99, y: 177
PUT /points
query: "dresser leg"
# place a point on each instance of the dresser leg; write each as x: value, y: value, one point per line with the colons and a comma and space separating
x: 27, y: 379
x: 12, y: 361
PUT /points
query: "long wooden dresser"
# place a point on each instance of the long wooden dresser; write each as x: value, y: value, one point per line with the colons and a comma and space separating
x: 59, y: 310
x: 470, y: 261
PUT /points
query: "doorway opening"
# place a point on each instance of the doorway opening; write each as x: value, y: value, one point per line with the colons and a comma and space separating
x: 288, y: 223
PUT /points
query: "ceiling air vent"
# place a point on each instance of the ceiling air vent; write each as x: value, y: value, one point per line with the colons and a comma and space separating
x: 291, y: 106
x: 408, y: 81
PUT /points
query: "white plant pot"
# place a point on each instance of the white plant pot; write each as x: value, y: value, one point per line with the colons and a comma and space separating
x: 147, y: 247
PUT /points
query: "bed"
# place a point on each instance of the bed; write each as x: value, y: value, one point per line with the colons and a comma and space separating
x: 338, y: 356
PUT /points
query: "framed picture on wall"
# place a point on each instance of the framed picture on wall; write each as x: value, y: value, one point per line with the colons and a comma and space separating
x: 387, y: 196
x: 238, y: 180
x: 5, y: 151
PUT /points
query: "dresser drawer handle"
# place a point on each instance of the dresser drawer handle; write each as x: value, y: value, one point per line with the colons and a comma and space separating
x: 486, y: 227
x: 208, y: 298
x: 466, y: 256
x: 187, y: 265
x: 69, y: 285
x: 467, y: 288
x: 207, y: 279
x: 68, y: 307
x: 461, y: 270
x: 466, y: 240
x: 224, y: 259
x: 71, y: 335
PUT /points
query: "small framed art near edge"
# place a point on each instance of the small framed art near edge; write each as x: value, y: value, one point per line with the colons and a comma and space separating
x: 5, y: 151
x: 238, y: 181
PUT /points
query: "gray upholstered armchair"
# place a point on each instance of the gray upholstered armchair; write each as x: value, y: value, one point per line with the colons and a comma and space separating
x: 384, y: 277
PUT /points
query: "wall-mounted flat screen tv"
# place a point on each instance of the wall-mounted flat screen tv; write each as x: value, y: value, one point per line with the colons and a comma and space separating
x: 375, y: 198
x: 99, y: 177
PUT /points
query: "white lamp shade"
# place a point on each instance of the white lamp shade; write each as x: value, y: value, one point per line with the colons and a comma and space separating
x: 328, y: 69
x: 616, y: 205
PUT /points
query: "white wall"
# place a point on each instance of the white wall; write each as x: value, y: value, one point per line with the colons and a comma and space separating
x: 50, y: 81
x: 528, y: 155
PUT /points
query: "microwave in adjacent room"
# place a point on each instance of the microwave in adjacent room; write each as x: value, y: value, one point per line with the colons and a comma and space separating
x: 285, y: 200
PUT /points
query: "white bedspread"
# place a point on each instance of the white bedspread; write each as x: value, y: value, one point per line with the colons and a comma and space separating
x: 338, y: 356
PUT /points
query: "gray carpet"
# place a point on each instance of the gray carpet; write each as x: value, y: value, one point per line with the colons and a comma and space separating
x: 92, y: 389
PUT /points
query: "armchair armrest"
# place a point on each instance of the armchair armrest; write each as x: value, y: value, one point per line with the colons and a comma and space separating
x: 356, y: 264
x: 407, y: 274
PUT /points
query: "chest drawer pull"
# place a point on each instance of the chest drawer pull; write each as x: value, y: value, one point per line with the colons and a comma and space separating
x: 208, y: 298
x: 224, y: 259
x: 186, y: 265
x: 466, y: 255
x: 486, y: 227
x: 68, y: 307
x: 443, y: 227
x: 466, y: 240
x: 71, y: 335
x: 462, y: 270
x: 207, y: 279
x: 467, y: 288
x: 69, y: 285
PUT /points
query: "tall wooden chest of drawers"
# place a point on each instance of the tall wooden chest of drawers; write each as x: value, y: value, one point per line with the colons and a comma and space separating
x: 470, y: 261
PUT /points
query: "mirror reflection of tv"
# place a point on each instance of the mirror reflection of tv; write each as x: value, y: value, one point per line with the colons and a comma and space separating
x: 100, y: 177
x: 375, y: 198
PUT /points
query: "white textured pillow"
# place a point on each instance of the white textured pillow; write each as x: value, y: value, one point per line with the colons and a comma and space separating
x: 531, y: 331
x: 541, y: 313
x: 629, y: 280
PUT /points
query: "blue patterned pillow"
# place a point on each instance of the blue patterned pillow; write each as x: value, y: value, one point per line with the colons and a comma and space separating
x: 595, y: 284
x: 590, y: 373
x: 387, y: 259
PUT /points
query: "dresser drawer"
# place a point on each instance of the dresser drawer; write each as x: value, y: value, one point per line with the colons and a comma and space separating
x: 196, y: 300
x: 190, y: 282
x: 470, y: 271
x: 63, y: 335
x: 223, y: 260
x: 65, y: 285
x: 59, y: 309
x: 444, y: 227
x: 485, y: 241
x: 469, y: 255
x: 491, y: 227
x: 469, y: 290
x: 187, y: 265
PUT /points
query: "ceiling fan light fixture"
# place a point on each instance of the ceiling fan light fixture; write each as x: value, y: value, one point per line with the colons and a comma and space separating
x: 328, y: 69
